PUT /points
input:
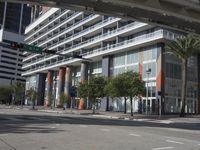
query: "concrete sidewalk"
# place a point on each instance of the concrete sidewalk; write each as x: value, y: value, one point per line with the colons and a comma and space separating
x: 112, y: 115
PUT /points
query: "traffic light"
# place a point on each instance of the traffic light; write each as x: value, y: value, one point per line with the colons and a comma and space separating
x: 49, y: 51
x: 15, y: 45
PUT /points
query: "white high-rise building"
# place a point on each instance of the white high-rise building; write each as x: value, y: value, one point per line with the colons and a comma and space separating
x: 114, y: 45
x: 14, y: 17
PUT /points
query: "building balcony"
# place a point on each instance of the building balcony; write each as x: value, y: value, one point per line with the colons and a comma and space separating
x: 125, y: 29
x: 80, y: 34
x: 156, y: 36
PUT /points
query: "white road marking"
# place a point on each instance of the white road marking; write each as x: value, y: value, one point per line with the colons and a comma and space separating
x: 106, y: 130
x: 57, y: 124
x: 53, y: 127
x: 161, y: 148
x: 174, y: 142
x: 83, y: 126
x: 132, y: 134
x: 199, y: 144
x: 3, y: 135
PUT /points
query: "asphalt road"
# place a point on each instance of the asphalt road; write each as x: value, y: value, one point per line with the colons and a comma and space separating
x: 29, y: 130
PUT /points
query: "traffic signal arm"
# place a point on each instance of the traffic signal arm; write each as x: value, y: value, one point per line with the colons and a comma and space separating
x: 49, y: 51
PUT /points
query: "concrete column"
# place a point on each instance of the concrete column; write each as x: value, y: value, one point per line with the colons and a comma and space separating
x: 198, y: 91
x: 49, y: 86
x: 61, y: 82
x: 68, y: 82
x: 106, y: 73
x: 84, y: 78
x: 41, y: 88
x: 84, y: 71
x: 160, y: 75
x: 106, y: 66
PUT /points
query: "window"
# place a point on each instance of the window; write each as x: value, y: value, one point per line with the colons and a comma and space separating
x: 119, y: 59
x: 134, y: 68
x: 150, y: 53
x: 119, y: 70
x: 132, y: 57
x: 152, y: 66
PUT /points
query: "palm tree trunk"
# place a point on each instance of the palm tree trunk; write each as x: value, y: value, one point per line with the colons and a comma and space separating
x: 124, y: 105
x: 184, y: 86
x: 131, y: 98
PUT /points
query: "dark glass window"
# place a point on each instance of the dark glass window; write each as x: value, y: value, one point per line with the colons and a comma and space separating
x: 26, y: 18
x: 13, y: 17
x: 1, y: 13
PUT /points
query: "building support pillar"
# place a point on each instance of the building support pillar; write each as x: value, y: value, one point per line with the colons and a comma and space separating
x: 49, y: 87
x: 84, y: 78
x: 198, y: 91
x: 41, y: 88
x: 106, y: 73
x: 160, y: 78
x: 61, y: 82
x: 68, y: 82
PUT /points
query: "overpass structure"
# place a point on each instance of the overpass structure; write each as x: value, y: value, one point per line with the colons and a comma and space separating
x: 183, y: 15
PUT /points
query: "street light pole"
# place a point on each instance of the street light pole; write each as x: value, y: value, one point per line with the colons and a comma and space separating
x: 54, y: 102
x: 148, y: 71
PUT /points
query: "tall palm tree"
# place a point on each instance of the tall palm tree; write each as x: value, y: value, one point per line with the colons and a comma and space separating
x: 183, y: 48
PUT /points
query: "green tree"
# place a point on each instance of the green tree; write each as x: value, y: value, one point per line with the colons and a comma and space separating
x: 18, y: 90
x: 126, y: 85
x: 183, y: 48
x: 64, y: 100
x: 120, y: 83
x: 5, y: 94
x: 51, y: 100
x: 109, y: 88
x: 135, y: 86
x: 32, y: 94
x: 93, y: 89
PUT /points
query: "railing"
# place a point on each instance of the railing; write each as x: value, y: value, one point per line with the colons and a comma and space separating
x: 134, y: 24
x: 88, y: 29
x: 45, y: 25
x: 79, y: 33
x: 54, y: 28
x: 159, y: 33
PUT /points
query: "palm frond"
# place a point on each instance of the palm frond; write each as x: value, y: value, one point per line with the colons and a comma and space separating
x: 184, y: 46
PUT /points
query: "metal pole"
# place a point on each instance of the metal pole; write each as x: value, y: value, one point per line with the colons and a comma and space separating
x: 54, y: 102
x: 71, y: 103
x: 147, y: 93
x: 160, y: 106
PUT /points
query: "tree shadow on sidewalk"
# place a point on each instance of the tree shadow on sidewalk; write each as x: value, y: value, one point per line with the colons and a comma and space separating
x: 23, y: 124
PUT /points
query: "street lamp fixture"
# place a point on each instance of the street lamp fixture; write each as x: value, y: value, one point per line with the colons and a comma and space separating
x: 148, y: 71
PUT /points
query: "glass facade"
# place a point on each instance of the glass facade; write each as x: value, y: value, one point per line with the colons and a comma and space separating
x: 13, y: 16
x: 173, y: 85
x: 2, y: 5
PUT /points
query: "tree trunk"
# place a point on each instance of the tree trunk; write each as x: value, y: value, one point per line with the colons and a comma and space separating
x: 131, y: 98
x: 93, y: 107
x: 107, y: 103
x: 124, y: 105
x: 184, y: 87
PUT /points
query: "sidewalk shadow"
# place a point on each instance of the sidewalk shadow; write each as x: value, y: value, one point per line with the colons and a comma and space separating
x: 23, y: 124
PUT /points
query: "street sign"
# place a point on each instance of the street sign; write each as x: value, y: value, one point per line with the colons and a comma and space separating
x: 32, y: 48
x: 26, y: 47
